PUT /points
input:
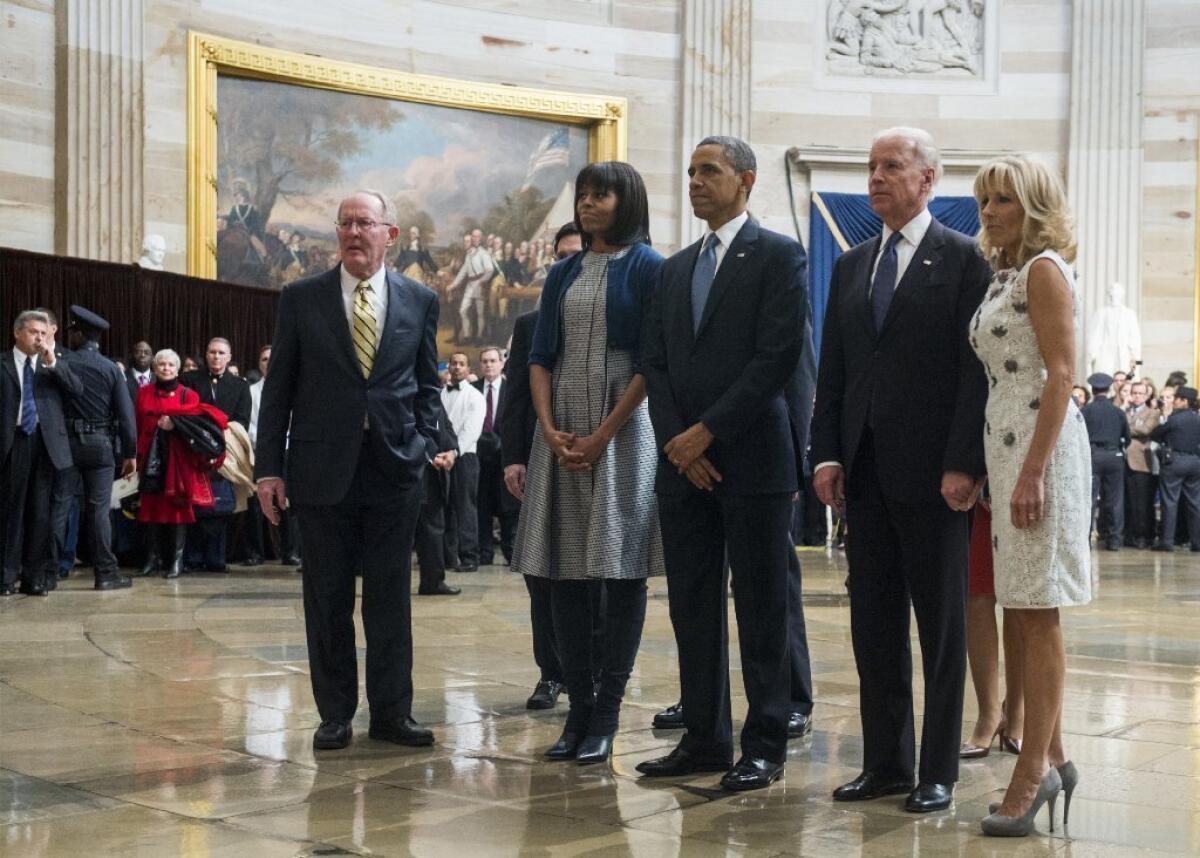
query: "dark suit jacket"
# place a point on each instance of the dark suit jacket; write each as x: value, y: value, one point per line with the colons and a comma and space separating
x: 489, y: 449
x: 132, y: 384
x: 916, y: 383
x: 732, y: 374
x: 520, y: 420
x: 232, y: 393
x: 49, y: 387
x: 799, y: 394
x: 316, y: 385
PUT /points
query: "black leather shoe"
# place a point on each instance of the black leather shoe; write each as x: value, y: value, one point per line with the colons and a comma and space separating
x: 50, y: 582
x: 468, y: 567
x: 594, y: 749
x: 112, y: 582
x: 402, y: 731
x: 332, y: 736
x: 31, y: 588
x: 799, y: 725
x: 442, y: 589
x: 870, y: 785
x: 566, y: 747
x: 927, y: 797
x: 545, y: 695
x: 751, y: 773
x: 670, y: 718
x: 8, y: 589
x: 290, y: 560
x: 684, y: 762
x: 1112, y: 545
x: 1162, y: 546
x: 252, y: 560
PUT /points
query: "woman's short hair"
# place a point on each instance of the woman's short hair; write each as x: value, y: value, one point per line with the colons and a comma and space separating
x: 1048, y: 222
x: 631, y: 223
x: 169, y: 354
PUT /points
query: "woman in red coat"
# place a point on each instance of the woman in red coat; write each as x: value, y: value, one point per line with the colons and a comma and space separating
x: 187, y: 475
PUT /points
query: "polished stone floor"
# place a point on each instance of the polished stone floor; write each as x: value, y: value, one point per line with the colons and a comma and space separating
x: 176, y: 719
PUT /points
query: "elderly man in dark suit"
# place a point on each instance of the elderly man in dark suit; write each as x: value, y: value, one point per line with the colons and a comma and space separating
x: 33, y: 448
x: 721, y: 341
x: 354, y: 375
x: 906, y: 467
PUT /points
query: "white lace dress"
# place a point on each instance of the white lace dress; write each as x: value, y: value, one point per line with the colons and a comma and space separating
x: 1046, y: 566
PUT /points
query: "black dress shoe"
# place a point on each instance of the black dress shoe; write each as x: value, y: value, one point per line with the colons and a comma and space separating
x: 32, y: 588
x: 684, y: 762
x: 751, y: 773
x: 290, y: 560
x: 1162, y: 546
x: 8, y: 589
x: 252, y: 560
x: 594, y: 749
x: 545, y: 695
x: 468, y: 567
x: 927, y: 797
x: 566, y: 747
x: 402, y: 731
x: 1112, y: 545
x: 332, y: 736
x: 799, y: 725
x: 112, y: 582
x: 442, y: 589
x: 670, y: 718
x: 870, y: 785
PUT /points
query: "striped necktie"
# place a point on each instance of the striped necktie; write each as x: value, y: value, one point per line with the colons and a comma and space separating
x: 362, y: 328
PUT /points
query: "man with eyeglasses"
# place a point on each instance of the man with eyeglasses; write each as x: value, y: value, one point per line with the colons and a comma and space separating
x: 354, y: 376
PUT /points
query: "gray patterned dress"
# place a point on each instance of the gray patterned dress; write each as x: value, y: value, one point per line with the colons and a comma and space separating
x: 1048, y: 565
x: 601, y: 523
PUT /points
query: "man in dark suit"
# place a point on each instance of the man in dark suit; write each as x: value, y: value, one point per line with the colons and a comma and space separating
x: 723, y: 336
x: 516, y: 441
x: 354, y: 374
x: 33, y: 448
x: 429, y: 541
x: 906, y: 467
x: 139, y: 373
x: 230, y: 393
x: 492, y: 501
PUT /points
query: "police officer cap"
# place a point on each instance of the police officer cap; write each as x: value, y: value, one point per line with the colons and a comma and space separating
x: 86, y: 320
x: 1100, y: 381
x: 1188, y: 393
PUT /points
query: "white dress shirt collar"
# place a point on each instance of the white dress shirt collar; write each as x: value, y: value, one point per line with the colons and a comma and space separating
x: 913, y: 231
x: 378, y: 281
x: 726, y: 233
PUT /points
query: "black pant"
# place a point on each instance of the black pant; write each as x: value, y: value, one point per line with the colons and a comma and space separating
x: 25, y: 484
x: 431, y: 527
x: 699, y: 529
x: 597, y: 714
x: 1181, y: 476
x: 1108, y: 493
x: 901, y: 552
x: 94, y: 463
x: 462, y: 525
x: 64, y: 494
x: 541, y: 621
x: 206, y: 542
x: 1139, y: 505
x: 369, y: 531
x: 800, y: 668
x: 495, y: 501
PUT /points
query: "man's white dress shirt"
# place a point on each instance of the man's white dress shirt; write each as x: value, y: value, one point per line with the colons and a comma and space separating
x: 465, y: 407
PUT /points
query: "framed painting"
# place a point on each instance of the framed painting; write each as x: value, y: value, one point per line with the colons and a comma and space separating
x: 276, y: 139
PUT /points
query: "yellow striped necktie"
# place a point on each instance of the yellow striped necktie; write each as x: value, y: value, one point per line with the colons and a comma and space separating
x: 362, y: 328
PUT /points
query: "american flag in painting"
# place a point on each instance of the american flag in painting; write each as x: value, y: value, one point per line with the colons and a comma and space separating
x: 553, y: 151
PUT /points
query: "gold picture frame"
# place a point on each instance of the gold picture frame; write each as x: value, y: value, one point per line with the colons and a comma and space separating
x: 605, y: 117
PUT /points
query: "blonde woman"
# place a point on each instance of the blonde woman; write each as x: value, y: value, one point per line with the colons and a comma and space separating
x: 1038, y: 458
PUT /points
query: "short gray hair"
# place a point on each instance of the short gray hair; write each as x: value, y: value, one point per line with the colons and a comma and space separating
x: 922, y: 142
x: 170, y: 354
x: 389, y: 209
x: 226, y: 342
x: 30, y: 316
x: 735, y: 150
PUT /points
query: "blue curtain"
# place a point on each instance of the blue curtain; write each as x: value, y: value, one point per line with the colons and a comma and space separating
x: 852, y: 215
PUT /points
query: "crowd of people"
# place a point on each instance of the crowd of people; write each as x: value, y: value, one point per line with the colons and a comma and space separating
x: 652, y: 417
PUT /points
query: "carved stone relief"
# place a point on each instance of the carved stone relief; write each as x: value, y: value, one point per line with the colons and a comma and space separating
x: 905, y: 38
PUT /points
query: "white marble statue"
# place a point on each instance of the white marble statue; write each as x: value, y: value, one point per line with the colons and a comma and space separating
x: 154, y: 250
x: 904, y: 37
x: 1114, y: 338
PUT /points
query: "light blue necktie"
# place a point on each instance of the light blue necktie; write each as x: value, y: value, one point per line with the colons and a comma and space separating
x: 702, y: 278
x: 28, y: 402
x: 884, y: 284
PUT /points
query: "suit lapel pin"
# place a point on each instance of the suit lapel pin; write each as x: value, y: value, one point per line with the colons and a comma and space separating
x: 740, y: 255
x: 926, y: 262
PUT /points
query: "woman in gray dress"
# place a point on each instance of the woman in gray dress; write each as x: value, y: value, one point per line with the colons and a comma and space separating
x: 589, y: 512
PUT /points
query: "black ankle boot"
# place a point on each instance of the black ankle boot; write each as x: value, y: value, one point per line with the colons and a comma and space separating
x: 594, y: 749
x: 566, y: 746
x: 177, y: 561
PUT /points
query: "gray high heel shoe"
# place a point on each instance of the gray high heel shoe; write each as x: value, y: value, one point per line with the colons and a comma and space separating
x: 996, y: 825
x: 1070, y: 778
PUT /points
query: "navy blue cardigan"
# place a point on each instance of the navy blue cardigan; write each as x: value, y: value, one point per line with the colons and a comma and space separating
x: 631, y: 279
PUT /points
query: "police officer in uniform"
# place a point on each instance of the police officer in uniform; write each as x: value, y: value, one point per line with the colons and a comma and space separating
x: 100, y: 427
x: 1108, y: 430
x: 1180, y: 433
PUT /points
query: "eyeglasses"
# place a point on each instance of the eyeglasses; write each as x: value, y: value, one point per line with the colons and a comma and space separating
x: 363, y: 225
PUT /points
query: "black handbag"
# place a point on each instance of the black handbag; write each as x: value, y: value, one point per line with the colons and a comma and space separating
x: 153, y: 480
x: 1164, y: 454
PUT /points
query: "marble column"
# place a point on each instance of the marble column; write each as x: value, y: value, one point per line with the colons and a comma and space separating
x: 1104, y: 168
x: 716, y: 83
x: 99, y: 120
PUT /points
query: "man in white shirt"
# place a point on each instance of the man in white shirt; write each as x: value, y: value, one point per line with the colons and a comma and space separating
x: 494, y: 500
x: 466, y: 408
